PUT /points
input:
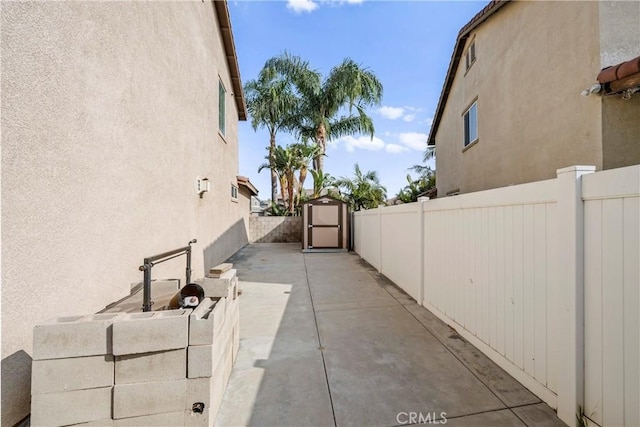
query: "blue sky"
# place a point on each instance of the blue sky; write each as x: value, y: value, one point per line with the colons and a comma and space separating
x: 407, y: 44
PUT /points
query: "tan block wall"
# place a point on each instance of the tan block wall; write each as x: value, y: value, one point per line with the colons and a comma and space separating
x: 533, y: 61
x: 109, y: 114
x: 275, y: 229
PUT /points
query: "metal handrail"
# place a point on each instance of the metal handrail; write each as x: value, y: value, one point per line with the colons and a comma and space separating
x: 149, y: 262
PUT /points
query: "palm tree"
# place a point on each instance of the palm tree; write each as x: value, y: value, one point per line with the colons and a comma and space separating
x: 416, y: 188
x: 424, y: 170
x: 363, y: 191
x: 322, y: 181
x: 270, y: 102
x: 303, y: 155
x: 283, y: 162
x: 318, y: 117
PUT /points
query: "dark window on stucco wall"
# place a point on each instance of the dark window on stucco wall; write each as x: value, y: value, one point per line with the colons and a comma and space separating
x: 471, y: 124
x: 221, y: 107
x: 471, y: 54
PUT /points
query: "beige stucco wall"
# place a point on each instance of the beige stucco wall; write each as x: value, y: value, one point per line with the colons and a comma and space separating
x: 533, y: 61
x: 619, y: 42
x: 619, y: 26
x: 109, y: 114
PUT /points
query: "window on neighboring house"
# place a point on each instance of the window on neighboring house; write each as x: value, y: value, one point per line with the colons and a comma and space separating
x: 221, y: 107
x: 471, y: 54
x: 234, y: 192
x: 471, y: 124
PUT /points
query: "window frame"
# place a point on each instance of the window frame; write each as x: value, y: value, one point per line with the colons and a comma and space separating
x: 234, y: 193
x: 222, y: 108
x: 470, y: 55
x: 467, y: 141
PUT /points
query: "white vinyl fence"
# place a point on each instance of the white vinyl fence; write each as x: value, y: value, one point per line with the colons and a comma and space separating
x: 542, y: 277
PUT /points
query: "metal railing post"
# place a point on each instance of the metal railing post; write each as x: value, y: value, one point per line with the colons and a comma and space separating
x: 157, y: 259
x: 146, y: 286
x: 188, y: 275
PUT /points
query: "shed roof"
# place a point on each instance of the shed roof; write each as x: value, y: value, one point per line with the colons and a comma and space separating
x: 335, y: 199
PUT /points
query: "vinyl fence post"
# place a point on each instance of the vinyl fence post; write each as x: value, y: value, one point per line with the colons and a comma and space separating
x: 570, y: 210
x: 380, y: 234
x: 422, y: 249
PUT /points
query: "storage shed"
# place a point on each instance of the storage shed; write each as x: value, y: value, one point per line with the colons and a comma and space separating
x: 325, y: 224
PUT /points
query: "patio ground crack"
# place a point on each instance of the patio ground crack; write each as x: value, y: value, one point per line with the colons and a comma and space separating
x: 320, y: 346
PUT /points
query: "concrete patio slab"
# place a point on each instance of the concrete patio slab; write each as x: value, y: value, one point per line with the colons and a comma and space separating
x: 538, y: 415
x: 383, y: 355
x: 487, y: 419
x: 281, y: 390
x: 503, y: 385
x: 326, y: 340
x: 355, y: 304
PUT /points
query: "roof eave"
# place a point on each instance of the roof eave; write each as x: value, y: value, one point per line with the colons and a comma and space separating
x: 478, y: 19
x: 224, y: 21
x: 245, y: 182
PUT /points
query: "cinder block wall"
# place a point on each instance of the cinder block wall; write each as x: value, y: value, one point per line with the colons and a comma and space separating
x: 275, y: 229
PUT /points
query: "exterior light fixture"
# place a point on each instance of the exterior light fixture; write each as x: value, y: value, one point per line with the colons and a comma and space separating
x: 202, y: 186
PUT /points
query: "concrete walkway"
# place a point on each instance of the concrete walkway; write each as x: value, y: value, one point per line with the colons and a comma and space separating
x: 326, y: 340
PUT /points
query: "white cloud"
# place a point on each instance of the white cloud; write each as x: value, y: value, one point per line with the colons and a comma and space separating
x: 406, y: 113
x: 362, y: 142
x: 413, y: 140
x: 300, y: 6
x: 391, y: 113
x: 405, y: 142
x: 395, y: 148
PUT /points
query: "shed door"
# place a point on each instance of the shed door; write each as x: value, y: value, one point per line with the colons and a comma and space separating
x: 325, y: 225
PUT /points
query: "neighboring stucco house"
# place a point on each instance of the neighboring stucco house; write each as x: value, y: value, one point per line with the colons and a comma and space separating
x: 511, y: 109
x: 111, y: 111
x: 247, y: 195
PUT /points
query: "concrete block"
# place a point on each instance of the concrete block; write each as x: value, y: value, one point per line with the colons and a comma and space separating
x: 151, y: 367
x: 75, y: 336
x: 206, y: 321
x: 220, y: 269
x: 202, y: 359
x: 135, y: 400
x: 232, y: 292
x: 151, y: 331
x: 236, y: 338
x: 217, y: 287
x: 78, y: 373
x: 99, y: 423
x: 199, y: 390
x: 209, y: 391
x: 225, y: 371
x: 233, y: 311
x: 158, y: 287
x: 71, y: 407
x: 192, y: 419
x: 169, y: 419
